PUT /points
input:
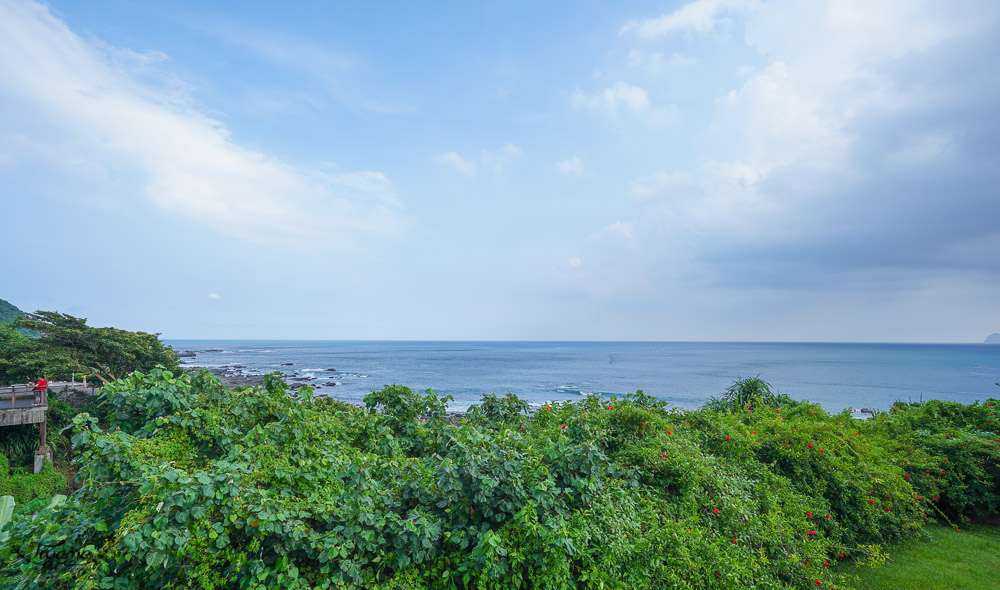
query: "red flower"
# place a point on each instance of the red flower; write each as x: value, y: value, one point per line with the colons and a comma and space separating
x: 907, y: 476
x: 668, y: 432
x: 826, y: 563
x: 777, y: 411
x: 716, y: 573
x: 727, y: 438
x: 809, y: 513
x: 818, y: 583
x: 828, y: 516
x: 822, y: 450
x: 564, y: 426
x: 905, y: 461
x: 664, y: 455
x: 687, y: 424
x: 920, y: 497
x: 887, y: 509
x: 942, y: 473
x: 610, y: 407
x: 935, y: 498
x: 840, y: 555
x: 928, y: 471
x: 734, y: 540
x: 754, y: 432
x: 871, y: 501
x: 549, y: 408
x: 810, y: 533
x: 643, y: 424
x: 808, y: 446
x: 716, y: 511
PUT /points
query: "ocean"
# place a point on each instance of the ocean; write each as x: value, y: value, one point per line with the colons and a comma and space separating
x: 684, y: 374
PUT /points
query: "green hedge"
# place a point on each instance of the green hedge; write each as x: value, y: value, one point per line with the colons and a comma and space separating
x: 194, y: 485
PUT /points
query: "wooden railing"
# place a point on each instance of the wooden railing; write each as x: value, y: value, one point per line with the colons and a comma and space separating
x: 13, y: 393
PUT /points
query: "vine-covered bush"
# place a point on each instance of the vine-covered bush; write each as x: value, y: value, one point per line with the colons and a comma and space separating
x: 189, y: 484
x: 25, y: 486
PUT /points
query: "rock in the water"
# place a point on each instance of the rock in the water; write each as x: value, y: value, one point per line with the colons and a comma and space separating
x: 993, y: 338
x: 287, y: 364
x: 185, y: 354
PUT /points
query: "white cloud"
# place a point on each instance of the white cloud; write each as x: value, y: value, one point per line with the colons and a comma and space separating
x: 701, y: 16
x: 457, y: 162
x: 655, y: 62
x: 495, y: 160
x: 618, y: 232
x: 816, y: 155
x: 499, y: 160
x: 574, y: 261
x: 572, y: 165
x: 214, y: 296
x: 663, y: 185
x: 83, y: 105
x: 622, y: 98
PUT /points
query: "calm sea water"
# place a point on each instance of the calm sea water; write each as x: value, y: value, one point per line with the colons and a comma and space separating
x: 684, y: 374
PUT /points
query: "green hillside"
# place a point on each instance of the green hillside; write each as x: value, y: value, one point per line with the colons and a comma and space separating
x: 8, y: 313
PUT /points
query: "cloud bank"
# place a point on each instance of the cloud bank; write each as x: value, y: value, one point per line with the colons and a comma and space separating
x: 99, y: 117
x: 859, y: 154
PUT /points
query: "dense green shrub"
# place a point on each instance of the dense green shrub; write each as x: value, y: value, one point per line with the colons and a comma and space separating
x: 189, y: 484
x: 26, y: 486
x: 748, y: 393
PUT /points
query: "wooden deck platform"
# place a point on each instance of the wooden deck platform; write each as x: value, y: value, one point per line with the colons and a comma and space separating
x: 21, y: 404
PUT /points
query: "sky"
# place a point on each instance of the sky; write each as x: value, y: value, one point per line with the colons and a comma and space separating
x: 715, y: 170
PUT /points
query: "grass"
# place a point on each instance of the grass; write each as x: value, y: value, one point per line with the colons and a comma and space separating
x: 945, y: 560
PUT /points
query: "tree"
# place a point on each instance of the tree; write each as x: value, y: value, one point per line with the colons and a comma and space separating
x: 68, y: 345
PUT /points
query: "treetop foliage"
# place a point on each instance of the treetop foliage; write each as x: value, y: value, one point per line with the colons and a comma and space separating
x: 66, y: 345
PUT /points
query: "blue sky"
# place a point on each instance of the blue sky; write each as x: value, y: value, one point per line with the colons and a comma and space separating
x: 707, y: 170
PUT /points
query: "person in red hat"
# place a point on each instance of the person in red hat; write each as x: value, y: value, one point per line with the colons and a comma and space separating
x: 40, y: 386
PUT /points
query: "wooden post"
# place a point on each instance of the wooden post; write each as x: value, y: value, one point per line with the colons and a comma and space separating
x: 43, y: 446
